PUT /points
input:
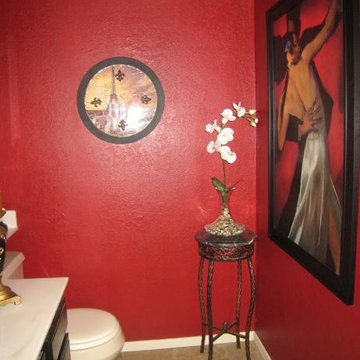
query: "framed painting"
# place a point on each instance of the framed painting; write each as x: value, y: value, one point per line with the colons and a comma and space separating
x: 313, y: 57
x: 120, y: 100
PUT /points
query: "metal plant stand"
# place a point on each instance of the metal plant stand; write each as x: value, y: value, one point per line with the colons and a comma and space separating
x: 224, y: 249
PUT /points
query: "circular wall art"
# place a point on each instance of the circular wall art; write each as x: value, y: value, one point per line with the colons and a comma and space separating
x: 120, y: 100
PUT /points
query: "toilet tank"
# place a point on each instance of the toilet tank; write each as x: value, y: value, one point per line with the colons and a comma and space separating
x: 13, y: 267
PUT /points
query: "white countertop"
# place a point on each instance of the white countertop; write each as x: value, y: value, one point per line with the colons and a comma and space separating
x: 23, y: 328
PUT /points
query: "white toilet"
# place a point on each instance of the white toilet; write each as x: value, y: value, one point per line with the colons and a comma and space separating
x: 94, y: 334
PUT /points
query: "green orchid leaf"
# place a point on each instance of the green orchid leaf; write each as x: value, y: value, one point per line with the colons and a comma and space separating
x: 221, y: 187
x: 218, y: 184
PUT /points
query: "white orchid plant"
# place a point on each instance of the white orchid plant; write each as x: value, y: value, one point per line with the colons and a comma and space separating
x: 224, y: 135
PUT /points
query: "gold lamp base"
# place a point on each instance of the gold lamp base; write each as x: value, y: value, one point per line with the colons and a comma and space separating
x: 7, y: 296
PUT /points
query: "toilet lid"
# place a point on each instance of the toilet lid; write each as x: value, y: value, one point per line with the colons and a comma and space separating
x: 90, y: 327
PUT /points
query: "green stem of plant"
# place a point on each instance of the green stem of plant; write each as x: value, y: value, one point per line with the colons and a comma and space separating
x: 224, y: 171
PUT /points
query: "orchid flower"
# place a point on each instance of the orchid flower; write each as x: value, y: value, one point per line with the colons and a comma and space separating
x: 211, y: 127
x: 240, y: 111
x: 227, y: 155
x: 227, y: 115
x: 213, y: 146
x: 224, y: 136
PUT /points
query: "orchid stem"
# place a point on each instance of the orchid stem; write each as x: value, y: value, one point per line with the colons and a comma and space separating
x: 224, y: 171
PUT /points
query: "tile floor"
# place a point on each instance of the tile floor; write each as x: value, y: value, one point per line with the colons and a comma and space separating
x: 221, y: 352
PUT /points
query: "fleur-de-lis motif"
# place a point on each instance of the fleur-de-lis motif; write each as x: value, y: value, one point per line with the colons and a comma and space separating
x: 120, y: 75
x: 96, y: 102
x: 145, y: 99
x: 122, y: 125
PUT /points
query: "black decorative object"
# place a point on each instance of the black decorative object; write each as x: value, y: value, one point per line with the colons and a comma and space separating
x: 313, y: 64
x: 120, y: 100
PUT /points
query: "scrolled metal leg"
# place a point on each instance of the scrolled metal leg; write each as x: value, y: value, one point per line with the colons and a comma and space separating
x: 251, y: 309
x: 201, y: 298
x: 238, y: 301
x: 209, y: 309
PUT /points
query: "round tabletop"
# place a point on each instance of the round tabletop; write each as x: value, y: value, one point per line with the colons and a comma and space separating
x: 226, y: 248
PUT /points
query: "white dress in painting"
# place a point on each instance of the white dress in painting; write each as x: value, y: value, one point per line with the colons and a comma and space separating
x: 317, y: 197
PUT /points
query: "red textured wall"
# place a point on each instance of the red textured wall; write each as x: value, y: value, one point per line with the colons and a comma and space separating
x: 119, y: 220
x: 297, y: 317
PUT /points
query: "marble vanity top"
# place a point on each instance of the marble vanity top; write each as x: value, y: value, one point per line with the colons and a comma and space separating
x: 23, y: 328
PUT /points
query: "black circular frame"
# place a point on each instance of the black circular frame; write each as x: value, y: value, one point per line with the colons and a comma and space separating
x: 84, y: 113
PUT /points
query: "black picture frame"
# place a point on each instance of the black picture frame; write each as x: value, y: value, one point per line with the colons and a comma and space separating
x: 290, y: 15
x: 120, y: 100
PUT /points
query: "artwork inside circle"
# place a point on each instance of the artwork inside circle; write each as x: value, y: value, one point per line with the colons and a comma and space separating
x: 120, y: 100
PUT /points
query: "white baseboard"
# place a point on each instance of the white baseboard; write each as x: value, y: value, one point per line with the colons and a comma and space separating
x: 144, y: 345
x: 176, y: 342
x: 261, y: 348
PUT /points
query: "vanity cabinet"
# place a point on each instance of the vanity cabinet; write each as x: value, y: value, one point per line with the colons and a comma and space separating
x: 36, y: 329
x: 56, y: 345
